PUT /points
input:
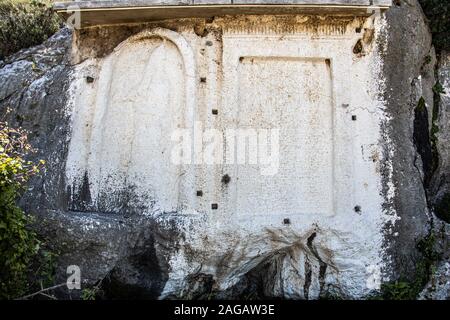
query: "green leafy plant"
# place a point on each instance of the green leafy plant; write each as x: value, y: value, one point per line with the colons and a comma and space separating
x: 93, y: 292
x: 88, y: 294
x: 18, y: 245
x: 398, y: 290
x: 25, y: 23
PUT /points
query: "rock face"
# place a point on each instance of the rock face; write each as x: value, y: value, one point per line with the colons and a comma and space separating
x: 441, y: 183
x: 33, y: 94
x: 439, y: 284
x: 409, y: 72
x: 102, y: 113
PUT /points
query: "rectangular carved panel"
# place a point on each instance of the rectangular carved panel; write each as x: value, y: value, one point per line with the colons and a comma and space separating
x: 294, y: 96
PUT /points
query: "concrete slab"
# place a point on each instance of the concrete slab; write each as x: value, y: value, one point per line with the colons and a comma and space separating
x: 94, y: 13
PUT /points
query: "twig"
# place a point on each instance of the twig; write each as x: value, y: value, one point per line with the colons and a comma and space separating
x: 41, y: 291
x: 48, y: 296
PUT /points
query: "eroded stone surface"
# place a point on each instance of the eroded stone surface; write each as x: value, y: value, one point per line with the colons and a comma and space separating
x: 325, y: 170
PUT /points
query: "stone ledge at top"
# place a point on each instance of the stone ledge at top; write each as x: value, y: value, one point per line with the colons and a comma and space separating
x: 235, y: 2
x: 109, y: 12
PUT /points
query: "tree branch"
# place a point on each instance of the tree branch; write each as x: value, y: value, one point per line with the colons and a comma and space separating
x: 41, y: 291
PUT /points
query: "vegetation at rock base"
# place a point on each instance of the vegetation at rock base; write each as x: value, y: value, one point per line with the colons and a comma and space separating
x: 21, y: 252
x: 438, y: 13
x: 25, y: 23
x: 409, y: 290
